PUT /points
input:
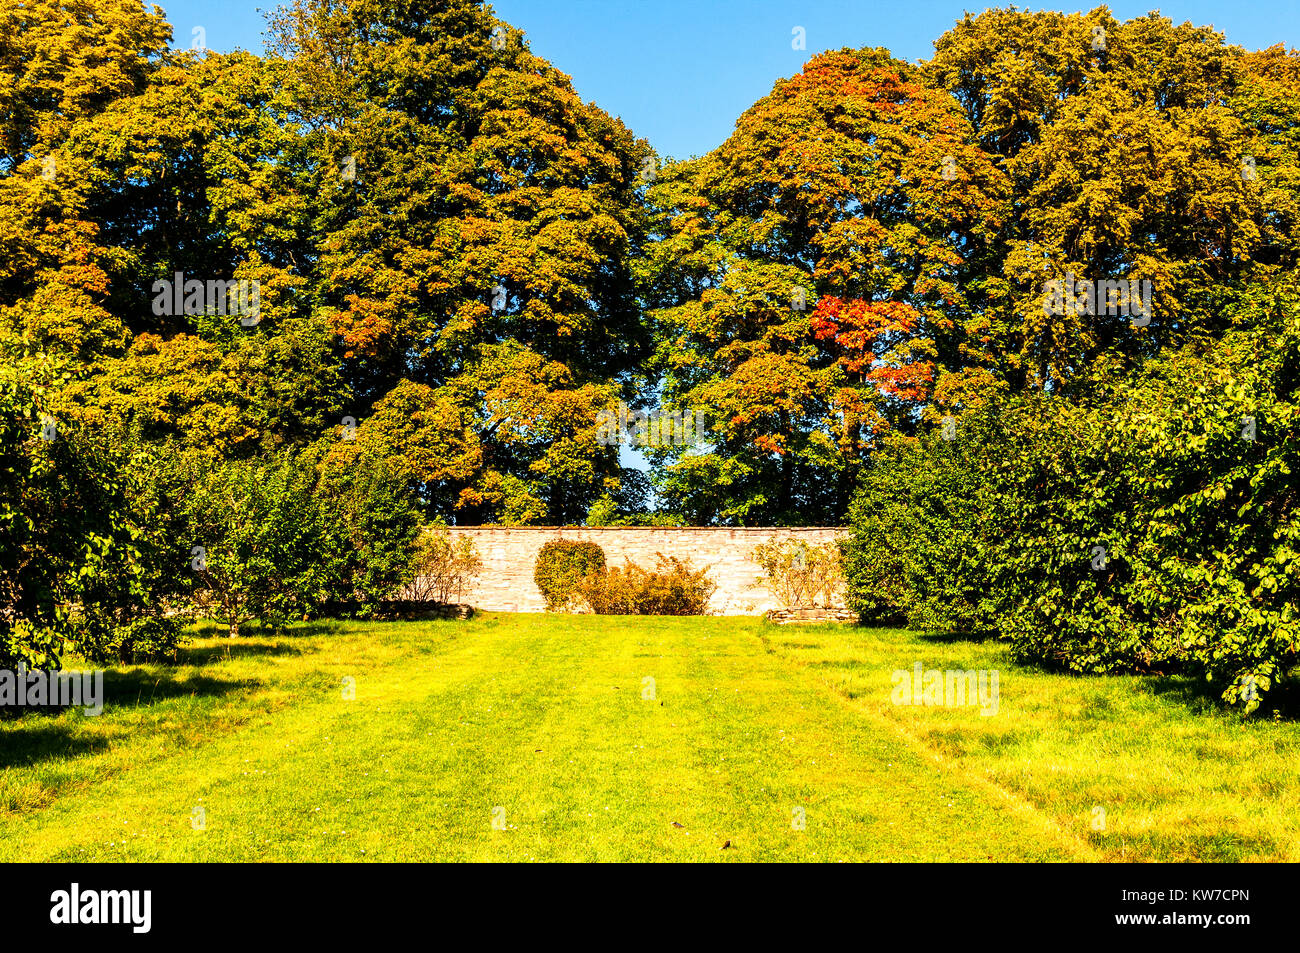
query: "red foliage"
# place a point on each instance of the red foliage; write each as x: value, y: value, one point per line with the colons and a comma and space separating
x: 866, y: 331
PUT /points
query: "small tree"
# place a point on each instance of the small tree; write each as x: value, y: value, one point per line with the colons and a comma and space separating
x: 128, y: 591
x: 443, y: 569
x: 256, y: 540
x: 371, y: 526
x: 799, y: 575
x: 84, y: 548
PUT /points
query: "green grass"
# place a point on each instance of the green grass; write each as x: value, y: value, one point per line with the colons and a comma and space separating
x: 541, y: 722
x: 1178, y: 778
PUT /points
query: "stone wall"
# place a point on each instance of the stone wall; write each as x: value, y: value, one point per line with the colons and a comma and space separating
x: 508, y: 553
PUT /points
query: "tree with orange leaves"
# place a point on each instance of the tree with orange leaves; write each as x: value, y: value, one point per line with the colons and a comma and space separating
x: 808, y: 279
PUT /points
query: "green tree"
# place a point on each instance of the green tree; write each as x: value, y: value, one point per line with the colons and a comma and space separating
x: 473, y: 213
x: 805, y: 277
x: 257, y: 547
x: 86, y: 557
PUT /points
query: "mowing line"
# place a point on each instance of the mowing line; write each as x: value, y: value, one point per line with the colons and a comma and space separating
x: 1018, y: 804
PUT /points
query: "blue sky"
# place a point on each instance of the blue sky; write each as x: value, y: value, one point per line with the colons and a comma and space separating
x: 679, y: 72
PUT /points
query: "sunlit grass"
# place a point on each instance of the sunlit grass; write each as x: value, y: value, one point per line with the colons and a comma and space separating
x: 546, y: 724
x: 1177, y: 777
x: 541, y: 717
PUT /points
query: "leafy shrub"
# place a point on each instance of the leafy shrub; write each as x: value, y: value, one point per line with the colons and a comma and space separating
x: 131, y: 601
x: 288, y: 536
x: 799, y: 575
x: 674, y: 589
x: 145, y: 639
x: 258, y: 546
x: 88, y: 557
x: 370, y: 527
x: 1149, y: 524
x: 561, y: 565
x: 442, y: 570
x: 916, y: 549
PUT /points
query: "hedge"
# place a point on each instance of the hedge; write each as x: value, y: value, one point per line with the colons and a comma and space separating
x: 1147, y: 524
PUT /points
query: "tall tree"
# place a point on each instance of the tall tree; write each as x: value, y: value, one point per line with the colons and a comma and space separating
x: 471, y: 205
x: 806, y: 277
x: 1128, y: 163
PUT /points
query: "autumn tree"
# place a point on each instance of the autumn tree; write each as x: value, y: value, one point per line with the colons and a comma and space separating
x: 427, y: 210
x: 472, y: 210
x: 808, y: 276
x: 1132, y: 156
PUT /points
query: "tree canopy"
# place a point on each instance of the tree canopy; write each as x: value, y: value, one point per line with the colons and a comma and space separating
x: 459, y: 266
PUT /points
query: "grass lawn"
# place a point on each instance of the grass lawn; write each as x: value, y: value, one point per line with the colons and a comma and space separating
x: 542, y: 724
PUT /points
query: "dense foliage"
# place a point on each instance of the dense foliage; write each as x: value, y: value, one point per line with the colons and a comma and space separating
x: 84, y: 547
x: 1150, y: 527
x: 435, y: 230
x: 869, y: 250
x: 285, y: 308
x: 561, y: 565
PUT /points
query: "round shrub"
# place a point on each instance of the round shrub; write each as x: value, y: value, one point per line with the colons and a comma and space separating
x: 561, y: 565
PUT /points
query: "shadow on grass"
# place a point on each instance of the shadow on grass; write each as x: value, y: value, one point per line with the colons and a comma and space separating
x: 139, y: 686
x: 233, y: 649
x: 315, y: 627
x: 936, y: 636
x: 1195, y: 694
x: 210, y: 629
x: 36, y: 734
x: 953, y: 638
x: 1202, y: 697
x: 42, y: 739
x: 134, y: 687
